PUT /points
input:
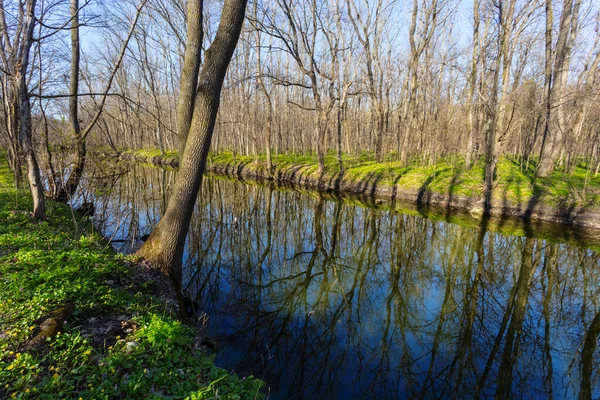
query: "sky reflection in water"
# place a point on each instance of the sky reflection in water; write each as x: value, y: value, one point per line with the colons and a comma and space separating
x: 323, y: 299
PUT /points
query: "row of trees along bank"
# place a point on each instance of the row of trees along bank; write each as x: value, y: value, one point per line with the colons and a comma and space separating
x: 407, y: 80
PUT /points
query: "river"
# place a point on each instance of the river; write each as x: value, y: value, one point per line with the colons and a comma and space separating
x: 328, y: 298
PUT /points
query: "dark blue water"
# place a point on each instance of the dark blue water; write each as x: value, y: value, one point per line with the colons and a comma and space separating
x: 325, y: 299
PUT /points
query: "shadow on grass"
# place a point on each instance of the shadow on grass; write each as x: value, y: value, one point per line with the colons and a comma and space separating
x: 292, y: 173
x: 368, y: 185
x: 423, y: 195
x: 335, y: 181
x: 423, y: 189
x: 396, y: 180
x: 454, y: 182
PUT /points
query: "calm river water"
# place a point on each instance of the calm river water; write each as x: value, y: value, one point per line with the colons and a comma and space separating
x: 327, y: 299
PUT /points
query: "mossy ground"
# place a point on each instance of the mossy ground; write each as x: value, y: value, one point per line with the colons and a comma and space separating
x: 45, y: 265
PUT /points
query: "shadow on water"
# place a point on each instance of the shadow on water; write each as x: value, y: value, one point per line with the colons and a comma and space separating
x: 326, y: 299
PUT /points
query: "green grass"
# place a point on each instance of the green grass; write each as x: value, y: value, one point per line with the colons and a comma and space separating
x: 515, y: 183
x: 153, y: 153
x: 48, y: 264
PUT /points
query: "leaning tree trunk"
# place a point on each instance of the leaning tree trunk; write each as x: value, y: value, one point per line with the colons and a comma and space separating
x: 164, y: 248
x: 190, y: 71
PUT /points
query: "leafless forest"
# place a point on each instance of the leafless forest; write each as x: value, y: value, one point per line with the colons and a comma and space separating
x: 402, y: 83
x: 408, y: 80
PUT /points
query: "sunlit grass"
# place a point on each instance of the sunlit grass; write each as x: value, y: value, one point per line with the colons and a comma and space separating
x: 46, y: 265
x: 515, y: 181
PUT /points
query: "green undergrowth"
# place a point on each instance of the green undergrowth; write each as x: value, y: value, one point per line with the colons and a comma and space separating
x: 515, y: 180
x: 61, y: 261
x: 151, y: 154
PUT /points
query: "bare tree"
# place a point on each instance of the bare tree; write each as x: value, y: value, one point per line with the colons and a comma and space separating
x: 552, y: 147
x: 191, y: 68
x: 15, y: 55
x: 472, y: 105
x: 65, y: 193
x: 366, y: 88
x: 368, y: 26
x: 299, y: 33
x: 164, y: 248
x: 267, y: 95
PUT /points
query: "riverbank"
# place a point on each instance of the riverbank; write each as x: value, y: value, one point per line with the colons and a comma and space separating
x: 572, y: 199
x: 78, y: 320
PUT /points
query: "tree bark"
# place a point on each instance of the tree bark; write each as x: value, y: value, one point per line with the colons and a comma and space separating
x: 164, y: 248
x: 67, y: 190
x: 190, y: 71
x: 33, y: 174
x: 473, y: 121
x: 553, y: 143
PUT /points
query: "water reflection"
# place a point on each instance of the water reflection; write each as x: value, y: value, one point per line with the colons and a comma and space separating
x: 323, y: 299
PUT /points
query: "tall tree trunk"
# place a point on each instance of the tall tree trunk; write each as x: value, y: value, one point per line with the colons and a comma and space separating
x: 410, y: 108
x: 164, y: 248
x: 73, y: 181
x: 490, y: 140
x: 33, y: 174
x: 190, y: 71
x: 472, y: 105
x: 66, y: 191
x: 546, y: 164
x: 261, y: 83
x: 419, y: 43
x: 507, y: 22
x: 553, y: 145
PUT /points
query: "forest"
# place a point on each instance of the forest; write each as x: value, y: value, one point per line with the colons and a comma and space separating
x: 408, y: 81
x: 432, y: 120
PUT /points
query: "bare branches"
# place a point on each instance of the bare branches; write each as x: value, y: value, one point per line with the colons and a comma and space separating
x: 100, y: 107
x: 397, y: 81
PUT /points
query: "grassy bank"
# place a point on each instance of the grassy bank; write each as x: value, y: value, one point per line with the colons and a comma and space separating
x: 78, y: 320
x: 515, y: 184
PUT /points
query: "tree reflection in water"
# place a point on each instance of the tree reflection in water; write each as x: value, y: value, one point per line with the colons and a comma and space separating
x: 324, y: 299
